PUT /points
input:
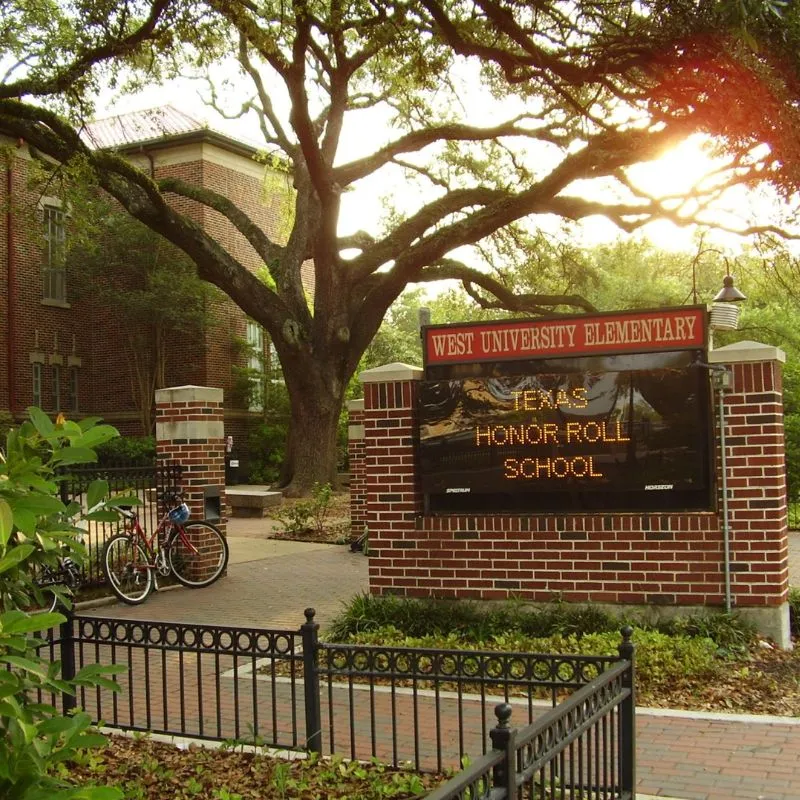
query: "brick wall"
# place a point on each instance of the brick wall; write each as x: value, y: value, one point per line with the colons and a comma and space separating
x: 652, y: 559
x: 356, y: 451
x: 88, y: 334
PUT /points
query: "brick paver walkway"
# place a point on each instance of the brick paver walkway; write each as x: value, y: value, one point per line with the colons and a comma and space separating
x: 679, y: 755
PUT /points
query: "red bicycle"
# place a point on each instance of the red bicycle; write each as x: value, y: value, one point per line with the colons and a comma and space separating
x: 195, y: 553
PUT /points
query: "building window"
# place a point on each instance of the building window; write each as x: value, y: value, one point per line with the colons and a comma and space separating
x: 56, y: 387
x: 255, y: 365
x: 54, y: 278
x: 73, y: 389
x: 37, y: 384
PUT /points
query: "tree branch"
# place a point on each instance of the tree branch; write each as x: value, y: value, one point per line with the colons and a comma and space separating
x: 451, y: 269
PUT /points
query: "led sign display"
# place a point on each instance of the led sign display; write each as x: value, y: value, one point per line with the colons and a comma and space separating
x: 615, y: 432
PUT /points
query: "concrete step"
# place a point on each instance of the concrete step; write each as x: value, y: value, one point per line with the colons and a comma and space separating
x: 251, y: 501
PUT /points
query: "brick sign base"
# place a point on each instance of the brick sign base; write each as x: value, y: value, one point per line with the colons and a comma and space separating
x: 666, y: 562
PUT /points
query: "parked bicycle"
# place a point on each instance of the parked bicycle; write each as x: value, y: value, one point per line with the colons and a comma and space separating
x: 58, y: 582
x: 195, y: 553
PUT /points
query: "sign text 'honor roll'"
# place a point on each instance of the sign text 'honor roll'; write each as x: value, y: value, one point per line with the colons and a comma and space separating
x: 670, y: 329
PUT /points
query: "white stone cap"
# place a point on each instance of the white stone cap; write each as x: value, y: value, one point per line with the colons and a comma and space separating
x: 740, y: 352
x: 391, y: 372
x: 356, y: 405
x: 188, y: 394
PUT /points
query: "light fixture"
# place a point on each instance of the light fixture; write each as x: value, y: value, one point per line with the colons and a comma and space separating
x: 729, y: 293
x: 724, y: 314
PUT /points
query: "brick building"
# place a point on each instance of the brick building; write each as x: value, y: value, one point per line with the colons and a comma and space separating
x: 63, y: 350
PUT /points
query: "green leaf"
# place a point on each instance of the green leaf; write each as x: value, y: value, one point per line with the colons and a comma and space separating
x: 96, y: 436
x: 25, y: 520
x: 96, y: 492
x: 57, y: 725
x: 89, y: 422
x: 39, y: 504
x: 31, y: 623
x: 6, y: 523
x: 102, y: 516
x: 74, y: 455
x: 36, y: 667
x: 41, y: 421
x: 15, y: 556
x: 123, y: 500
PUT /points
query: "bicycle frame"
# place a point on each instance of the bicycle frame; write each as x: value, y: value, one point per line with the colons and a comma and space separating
x: 166, y: 526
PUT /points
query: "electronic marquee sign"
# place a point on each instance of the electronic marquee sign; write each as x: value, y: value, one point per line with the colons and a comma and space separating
x: 590, y: 413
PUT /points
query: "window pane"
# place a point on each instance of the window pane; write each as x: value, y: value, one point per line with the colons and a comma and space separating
x: 73, y: 389
x: 53, y: 270
x: 37, y: 384
x: 56, y: 387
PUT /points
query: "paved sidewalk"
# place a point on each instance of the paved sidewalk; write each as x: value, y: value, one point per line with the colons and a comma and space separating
x: 269, y: 584
x: 684, y: 755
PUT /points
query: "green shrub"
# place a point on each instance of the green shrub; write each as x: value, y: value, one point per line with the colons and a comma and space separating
x: 128, y: 449
x: 266, y: 449
x: 483, y: 622
x: 307, y: 515
x: 35, y: 527
x: 731, y: 632
x: 474, y: 621
x: 794, y: 611
x: 662, y: 661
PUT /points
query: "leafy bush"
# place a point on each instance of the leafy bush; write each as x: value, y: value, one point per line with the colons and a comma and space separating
x: 35, y: 527
x: 307, y: 515
x: 266, y: 449
x: 794, y: 611
x: 128, y: 449
x: 730, y: 631
x: 661, y: 660
x: 476, y: 623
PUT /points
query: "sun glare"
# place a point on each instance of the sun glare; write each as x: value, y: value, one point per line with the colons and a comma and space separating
x: 677, y: 171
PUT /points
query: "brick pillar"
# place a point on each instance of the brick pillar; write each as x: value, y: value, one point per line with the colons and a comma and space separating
x: 756, y: 466
x: 190, y: 431
x: 392, y: 489
x: 356, y: 454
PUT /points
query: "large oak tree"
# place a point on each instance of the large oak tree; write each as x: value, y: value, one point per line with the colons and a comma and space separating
x: 593, y: 87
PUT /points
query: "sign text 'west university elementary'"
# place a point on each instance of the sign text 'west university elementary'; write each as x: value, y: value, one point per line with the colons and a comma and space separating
x: 667, y: 329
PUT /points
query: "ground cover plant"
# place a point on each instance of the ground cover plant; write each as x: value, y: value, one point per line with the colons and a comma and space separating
x: 324, y: 517
x: 706, y: 661
x: 145, y: 769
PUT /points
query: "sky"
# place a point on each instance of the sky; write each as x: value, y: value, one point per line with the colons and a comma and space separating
x: 363, y: 208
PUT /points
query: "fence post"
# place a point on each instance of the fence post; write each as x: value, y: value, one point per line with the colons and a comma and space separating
x: 503, y: 738
x: 310, y: 632
x: 69, y: 702
x: 627, y: 744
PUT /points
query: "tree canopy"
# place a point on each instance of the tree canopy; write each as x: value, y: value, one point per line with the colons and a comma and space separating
x: 572, y: 94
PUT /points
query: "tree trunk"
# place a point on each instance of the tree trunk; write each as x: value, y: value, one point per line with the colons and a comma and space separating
x: 316, y: 398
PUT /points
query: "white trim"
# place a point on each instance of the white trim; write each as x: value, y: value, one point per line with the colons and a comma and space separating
x: 742, y: 352
x: 391, y: 372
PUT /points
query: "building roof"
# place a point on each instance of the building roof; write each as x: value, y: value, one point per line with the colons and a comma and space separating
x: 156, y: 127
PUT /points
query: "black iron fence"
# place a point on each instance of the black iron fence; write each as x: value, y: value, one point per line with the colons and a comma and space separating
x: 583, y: 748
x: 287, y: 689
x: 147, y: 482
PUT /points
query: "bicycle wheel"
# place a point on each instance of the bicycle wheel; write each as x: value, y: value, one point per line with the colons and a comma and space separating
x: 198, y: 554
x: 126, y: 569
x: 46, y: 582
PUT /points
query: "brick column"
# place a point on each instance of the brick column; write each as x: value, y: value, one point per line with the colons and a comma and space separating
x: 757, y: 511
x: 190, y: 431
x: 356, y: 456
x: 392, y: 489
